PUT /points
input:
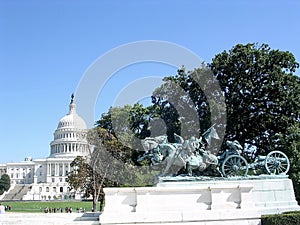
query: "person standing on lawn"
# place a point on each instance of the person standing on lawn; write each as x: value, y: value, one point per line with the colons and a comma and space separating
x: 2, y: 208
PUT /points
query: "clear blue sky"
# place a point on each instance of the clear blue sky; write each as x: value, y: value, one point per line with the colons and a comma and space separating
x: 46, y: 46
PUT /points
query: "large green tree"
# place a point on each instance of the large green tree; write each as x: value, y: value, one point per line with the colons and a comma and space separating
x: 261, y: 92
x: 262, y: 96
x: 85, y: 179
x: 102, y: 167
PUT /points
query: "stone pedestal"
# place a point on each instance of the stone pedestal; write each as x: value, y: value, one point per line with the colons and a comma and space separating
x: 210, y: 202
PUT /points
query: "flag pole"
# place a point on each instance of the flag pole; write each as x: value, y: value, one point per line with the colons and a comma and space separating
x: 208, y: 129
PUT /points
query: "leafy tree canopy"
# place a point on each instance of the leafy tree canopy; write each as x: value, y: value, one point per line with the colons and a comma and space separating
x: 261, y: 93
x: 190, y: 102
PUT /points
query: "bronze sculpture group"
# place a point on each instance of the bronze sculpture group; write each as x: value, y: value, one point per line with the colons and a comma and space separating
x: 192, y: 155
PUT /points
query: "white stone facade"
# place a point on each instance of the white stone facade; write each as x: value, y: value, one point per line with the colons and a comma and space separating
x: 46, y: 177
x: 211, y: 202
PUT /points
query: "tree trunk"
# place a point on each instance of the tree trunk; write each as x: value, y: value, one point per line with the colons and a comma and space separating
x: 95, y: 203
x: 101, y: 202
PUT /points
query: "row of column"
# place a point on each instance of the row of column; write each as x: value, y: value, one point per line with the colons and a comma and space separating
x: 68, y: 147
x: 64, y: 135
x: 58, y: 169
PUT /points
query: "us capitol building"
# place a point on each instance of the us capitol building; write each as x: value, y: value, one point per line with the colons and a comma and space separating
x: 45, y: 179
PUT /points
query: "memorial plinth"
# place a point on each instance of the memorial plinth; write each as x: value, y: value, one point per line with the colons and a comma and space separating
x: 269, y: 194
x: 239, y: 202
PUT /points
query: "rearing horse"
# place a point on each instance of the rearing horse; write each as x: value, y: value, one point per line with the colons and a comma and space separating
x: 187, y: 154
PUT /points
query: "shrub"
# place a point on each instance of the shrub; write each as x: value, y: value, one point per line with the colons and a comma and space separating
x: 289, y: 218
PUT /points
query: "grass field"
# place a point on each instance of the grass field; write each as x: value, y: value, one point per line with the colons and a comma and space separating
x: 39, y: 206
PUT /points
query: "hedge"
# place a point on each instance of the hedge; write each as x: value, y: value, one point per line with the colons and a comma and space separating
x: 288, y: 218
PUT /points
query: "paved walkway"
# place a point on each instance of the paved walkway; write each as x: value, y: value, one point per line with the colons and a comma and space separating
x: 49, y: 219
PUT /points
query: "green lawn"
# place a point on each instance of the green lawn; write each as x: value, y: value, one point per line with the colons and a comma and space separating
x: 39, y: 206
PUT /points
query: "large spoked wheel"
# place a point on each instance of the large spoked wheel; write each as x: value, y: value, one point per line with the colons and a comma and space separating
x: 234, y: 166
x: 277, y: 163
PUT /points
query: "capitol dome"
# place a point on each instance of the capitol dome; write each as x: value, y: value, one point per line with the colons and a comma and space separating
x: 70, y: 135
x: 72, y: 120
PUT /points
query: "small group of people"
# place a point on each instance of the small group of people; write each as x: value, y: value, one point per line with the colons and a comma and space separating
x: 53, y: 210
x: 7, y: 207
x: 80, y: 210
x: 61, y: 210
